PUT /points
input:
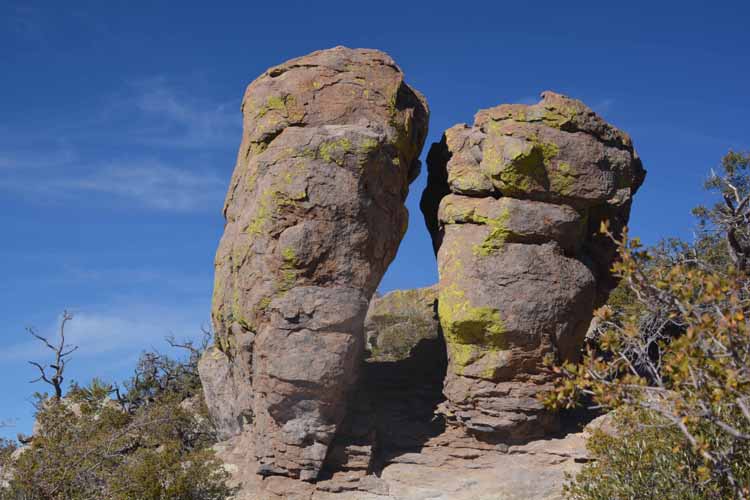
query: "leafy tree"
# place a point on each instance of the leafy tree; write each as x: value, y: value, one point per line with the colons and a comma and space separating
x: 674, y: 357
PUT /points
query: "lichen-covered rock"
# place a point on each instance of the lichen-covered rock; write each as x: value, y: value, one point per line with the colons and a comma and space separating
x: 399, y: 321
x: 314, y: 215
x: 514, y: 204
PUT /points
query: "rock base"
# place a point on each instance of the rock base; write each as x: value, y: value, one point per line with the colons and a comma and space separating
x: 449, y: 466
x: 396, y: 445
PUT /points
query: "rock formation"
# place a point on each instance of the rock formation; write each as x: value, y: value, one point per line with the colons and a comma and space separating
x: 447, y: 467
x: 402, y: 321
x: 514, y: 205
x: 314, y: 215
x: 393, y: 447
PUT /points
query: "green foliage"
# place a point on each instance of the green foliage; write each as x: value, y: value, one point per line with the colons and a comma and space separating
x: 672, y: 354
x: 644, y: 457
x: 152, y: 443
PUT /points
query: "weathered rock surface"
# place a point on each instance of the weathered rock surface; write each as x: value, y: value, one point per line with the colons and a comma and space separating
x: 392, y: 445
x: 399, y: 321
x: 514, y: 205
x: 314, y: 214
x: 450, y: 466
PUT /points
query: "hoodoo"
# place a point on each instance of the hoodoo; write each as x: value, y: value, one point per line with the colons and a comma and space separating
x: 314, y: 215
x: 514, y: 205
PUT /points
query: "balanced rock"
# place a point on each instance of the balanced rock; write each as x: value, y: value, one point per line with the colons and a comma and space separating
x: 314, y: 215
x: 514, y: 205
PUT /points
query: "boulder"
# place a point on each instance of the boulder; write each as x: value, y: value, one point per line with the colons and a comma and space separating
x: 514, y: 204
x: 314, y: 215
x: 398, y: 322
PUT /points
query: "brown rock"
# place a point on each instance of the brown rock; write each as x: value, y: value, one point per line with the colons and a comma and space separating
x: 452, y: 466
x: 514, y: 204
x: 315, y: 213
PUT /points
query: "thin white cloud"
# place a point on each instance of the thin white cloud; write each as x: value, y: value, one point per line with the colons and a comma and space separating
x: 170, y: 117
x: 126, y: 277
x: 124, y: 332
x: 61, y: 156
x: 154, y: 185
x: 602, y: 106
x: 156, y: 120
x: 148, y: 184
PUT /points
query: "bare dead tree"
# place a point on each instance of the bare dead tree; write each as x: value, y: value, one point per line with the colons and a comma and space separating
x: 730, y: 218
x: 62, y: 352
x: 735, y: 220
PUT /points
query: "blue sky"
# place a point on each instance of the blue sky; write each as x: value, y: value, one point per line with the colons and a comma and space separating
x: 119, y: 124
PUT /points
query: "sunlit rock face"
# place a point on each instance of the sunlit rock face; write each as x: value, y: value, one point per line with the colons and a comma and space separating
x: 314, y: 215
x: 514, y: 204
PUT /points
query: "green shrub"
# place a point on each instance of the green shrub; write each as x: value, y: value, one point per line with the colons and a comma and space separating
x: 645, y: 457
x: 151, y: 443
x: 672, y: 354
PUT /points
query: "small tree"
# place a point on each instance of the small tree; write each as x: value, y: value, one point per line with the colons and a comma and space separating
x: 730, y: 218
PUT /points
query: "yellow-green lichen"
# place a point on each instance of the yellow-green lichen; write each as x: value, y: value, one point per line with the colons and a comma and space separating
x: 562, y: 179
x: 497, y: 237
x: 270, y: 201
x: 264, y: 303
x: 499, y: 233
x: 549, y: 151
x: 462, y: 355
x: 469, y: 181
x: 517, y: 165
x: 289, y: 255
x: 284, y: 105
x: 334, y: 151
x: 257, y: 148
x: 288, y: 278
x: 464, y: 323
x: 262, y: 214
x: 367, y: 145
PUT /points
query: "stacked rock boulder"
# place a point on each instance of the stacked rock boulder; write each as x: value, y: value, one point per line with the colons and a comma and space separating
x: 514, y: 205
x: 314, y: 215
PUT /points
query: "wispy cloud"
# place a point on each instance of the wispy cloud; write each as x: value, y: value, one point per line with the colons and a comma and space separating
x: 158, y: 123
x: 124, y: 331
x: 60, y: 156
x: 166, y: 115
x: 148, y: 184
x: 177, y: 281
x: 602, y: 106
x: 153, y: 185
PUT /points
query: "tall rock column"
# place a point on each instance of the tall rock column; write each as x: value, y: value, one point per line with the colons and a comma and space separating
x: 514, y: 204
x: 314, y: 215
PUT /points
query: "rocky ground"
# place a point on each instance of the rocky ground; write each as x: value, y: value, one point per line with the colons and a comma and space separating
x: 447, y: 467
x: 397, y: 444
